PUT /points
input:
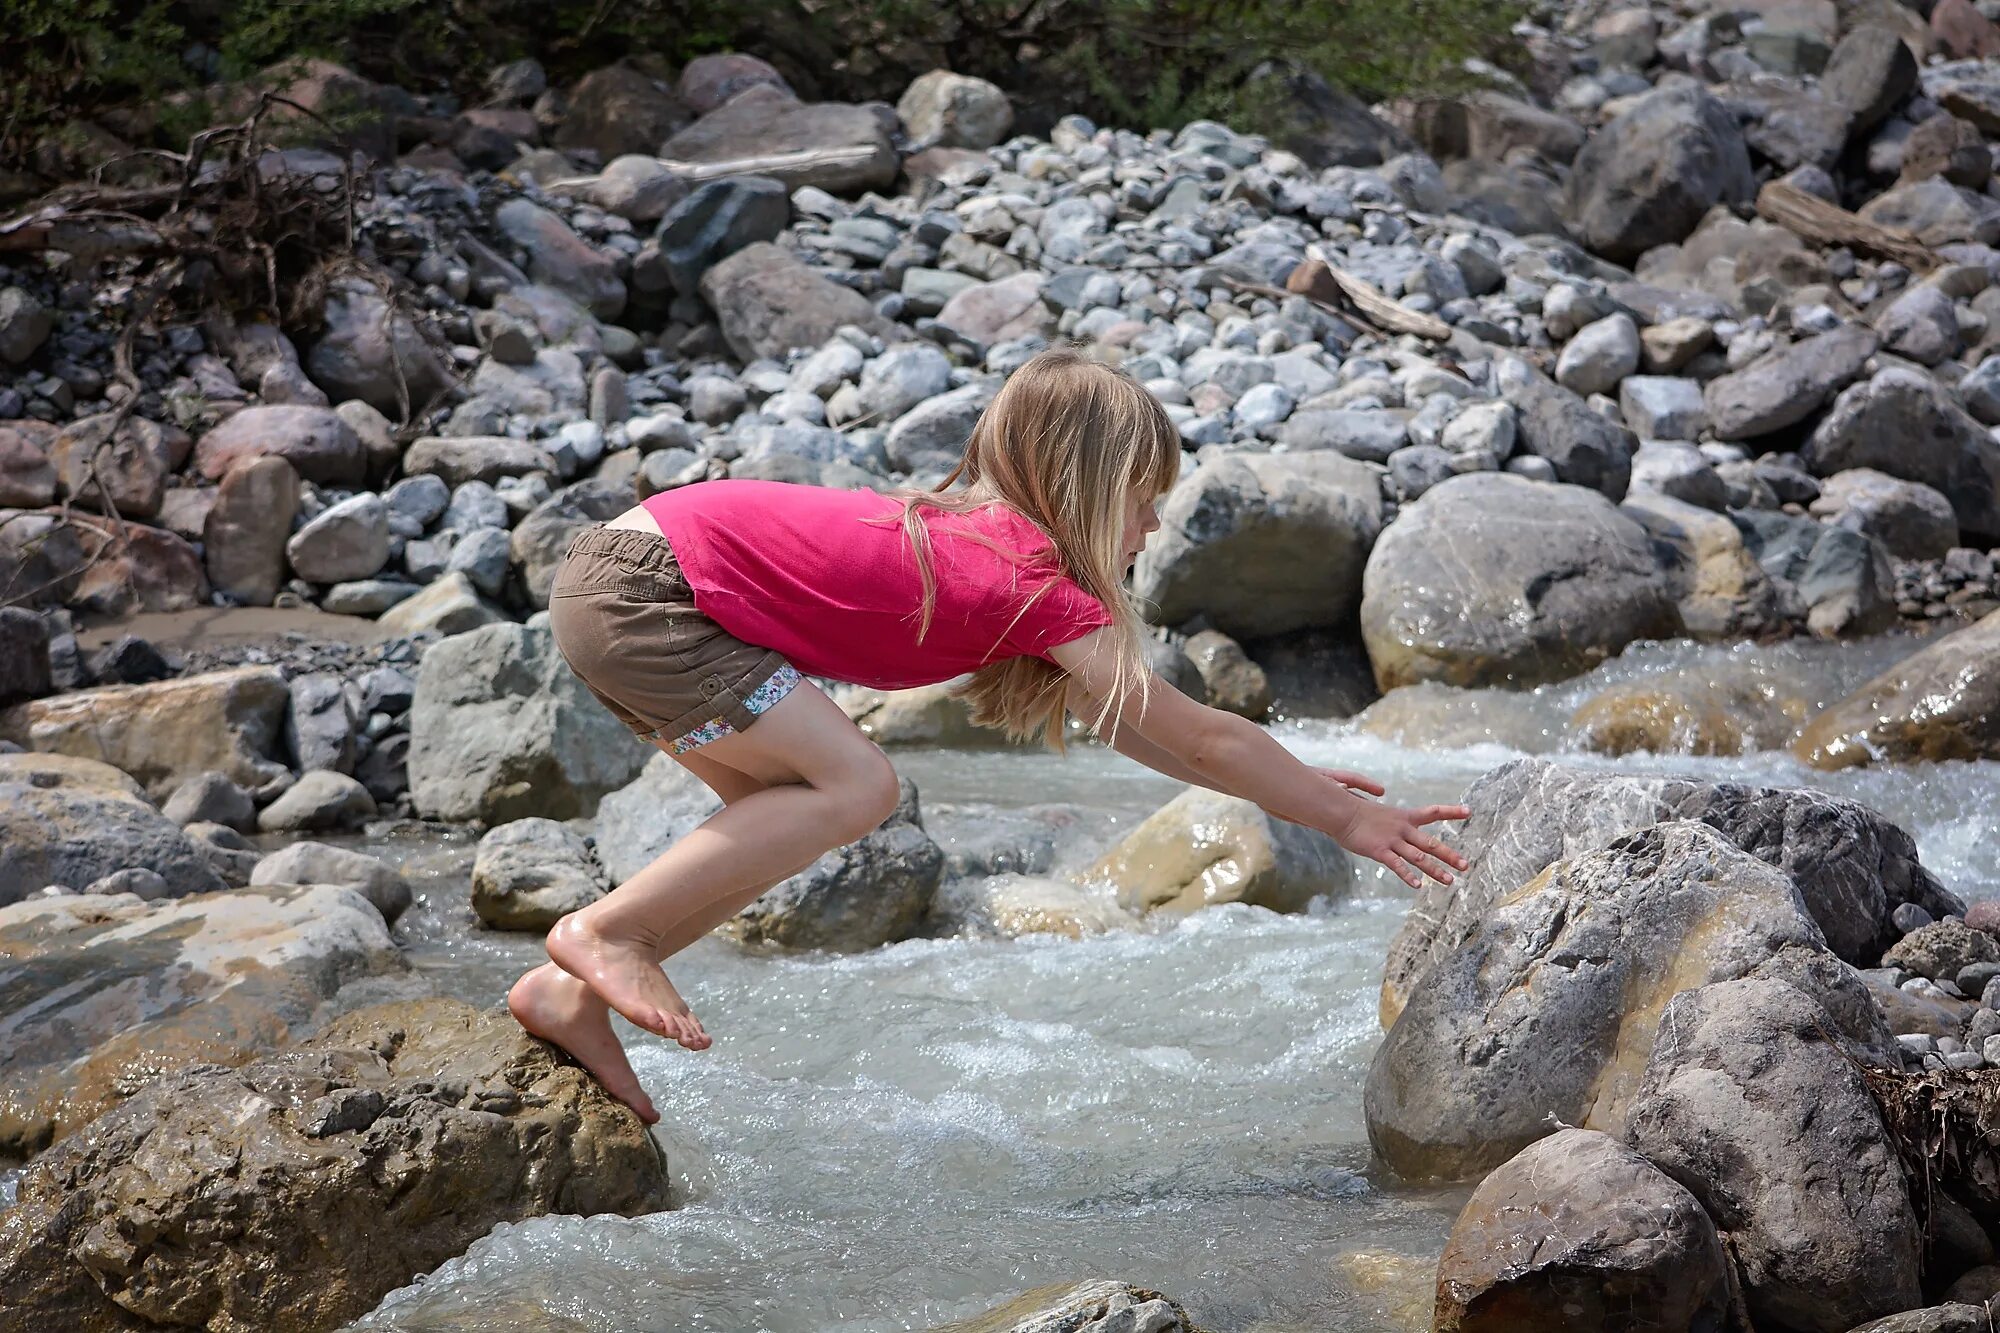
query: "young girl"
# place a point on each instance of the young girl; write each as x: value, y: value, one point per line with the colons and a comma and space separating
x: 693, y: 615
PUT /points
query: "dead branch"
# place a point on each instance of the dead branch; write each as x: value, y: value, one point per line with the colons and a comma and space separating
x: 1813, y: 219
x: 1319, y: 281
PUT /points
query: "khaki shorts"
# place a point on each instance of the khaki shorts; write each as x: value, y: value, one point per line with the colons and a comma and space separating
x: 624, y: 619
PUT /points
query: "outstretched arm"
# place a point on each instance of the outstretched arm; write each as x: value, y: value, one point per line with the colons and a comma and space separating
x: 1233, y: 755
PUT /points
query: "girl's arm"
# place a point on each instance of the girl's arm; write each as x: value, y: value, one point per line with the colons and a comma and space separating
x: 1234, y: 755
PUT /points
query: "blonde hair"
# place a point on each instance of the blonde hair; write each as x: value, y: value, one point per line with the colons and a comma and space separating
x: 1063, y: 443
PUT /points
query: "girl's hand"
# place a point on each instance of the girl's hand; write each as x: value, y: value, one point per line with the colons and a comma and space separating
x: 1352, y: 781
x: 1395, y: 837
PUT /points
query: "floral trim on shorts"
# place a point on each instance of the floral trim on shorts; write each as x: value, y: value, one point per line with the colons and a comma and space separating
x: 761, y: 700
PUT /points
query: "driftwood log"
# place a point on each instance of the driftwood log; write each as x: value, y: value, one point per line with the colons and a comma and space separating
x: 1811, y: 218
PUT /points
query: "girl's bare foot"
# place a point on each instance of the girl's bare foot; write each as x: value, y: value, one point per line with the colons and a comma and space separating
x: 555, y: 1006
x: 625, y: 975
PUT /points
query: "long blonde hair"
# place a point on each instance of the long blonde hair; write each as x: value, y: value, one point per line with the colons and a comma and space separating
x: 1063, y: 443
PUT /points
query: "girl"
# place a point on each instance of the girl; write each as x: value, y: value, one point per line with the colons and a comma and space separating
x: 692, y: 616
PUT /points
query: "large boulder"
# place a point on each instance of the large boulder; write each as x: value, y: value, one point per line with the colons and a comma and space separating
x: 1720, y: 589
x: 368, y: 349
x: 1457, y: 591
x: 539, y: 541
x: 1911, y: 520
x: 1903, y: 423
x: 501, y: 729
x: 243, y: 538
x: 1263, y: 543
x: 320, y: 445
x: 1584, y: 447
x: 840, y: 148
x: 714, y: 222
x: 129, y: 568
x: 1648, y: 177
x: 946, y: 110
x: 297, y: 1191
x: 106, y: 992
x: 317, y: 863
x: 1853, y: 866
x: 1940, y: 703
x: 163, y: 734
x: 1785, y: 386
x: 618, y: 110
x: 770, y: 303
x: 122, y: 471
x: 69, y: 821
x: 1203, y: 848
x: 1548, y: 1005
x: 531, y: 873
x: 559, y: 258
x: 345, y: 541
x: 1750, y: 1102
x: 1576, y: 1234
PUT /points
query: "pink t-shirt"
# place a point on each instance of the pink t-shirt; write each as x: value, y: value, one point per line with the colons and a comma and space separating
x: 798, y: 569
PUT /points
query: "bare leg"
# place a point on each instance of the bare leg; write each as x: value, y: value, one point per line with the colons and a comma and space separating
x: 824, y: 784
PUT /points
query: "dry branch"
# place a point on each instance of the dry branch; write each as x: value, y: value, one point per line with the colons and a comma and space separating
x: 1813, y: 219
x: 1321, y: 282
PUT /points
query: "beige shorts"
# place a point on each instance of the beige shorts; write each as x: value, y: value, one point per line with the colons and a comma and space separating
x: 624, y: 619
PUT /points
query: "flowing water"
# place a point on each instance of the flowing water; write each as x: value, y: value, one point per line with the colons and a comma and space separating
x: 897, y: 1139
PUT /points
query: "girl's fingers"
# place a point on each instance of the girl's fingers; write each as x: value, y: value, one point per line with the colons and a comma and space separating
x: 1431, y: 814
x: 1357, y: 781
x: 1449, y: 855
x: 1403, y: 870
x: 1429, y: 864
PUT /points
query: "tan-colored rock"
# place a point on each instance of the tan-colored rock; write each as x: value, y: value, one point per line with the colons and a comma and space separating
x: 927, y: 715
x: 166, y: 733
x: 1721, y: 591
x: 1015, y: 905
x: 296, y: 1192
x: 1941, y: 703
x: 1235, y: 684
x: 129, y: 568
x: 1204, y: 848
x: 108, y: 992
x: 124, y: 472
x: 1725, y: 717
x: 1083, y: 1308
x: 243, y: 540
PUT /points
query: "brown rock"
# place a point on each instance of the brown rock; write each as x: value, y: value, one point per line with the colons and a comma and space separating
x: 297, y: 1191
x: 41, y: 558
x: 1689, y: 717
x: 123, y: 473
x: 27, y: 478
x: 839, y: 148
x: 166, y: 733
x: 244, y: 538
x: 1962, y: 32
x: 318, y: 444
x: 111, y: 992
x: 1203, y: 848
x: 132, y: 568
x: 1940, y: 703
x: 770, y: 303
x: 618, y: 110
x: 1949, y: 147
x: 1234, y: 683
x: 708, y: 81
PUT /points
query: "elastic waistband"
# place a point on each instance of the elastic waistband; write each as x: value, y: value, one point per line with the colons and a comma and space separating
x: 630, y: 546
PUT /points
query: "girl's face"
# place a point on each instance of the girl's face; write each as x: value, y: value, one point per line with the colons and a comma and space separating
x: 1141, y: 518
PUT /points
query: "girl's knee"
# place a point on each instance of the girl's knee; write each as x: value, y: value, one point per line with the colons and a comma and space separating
x: 871, y: 794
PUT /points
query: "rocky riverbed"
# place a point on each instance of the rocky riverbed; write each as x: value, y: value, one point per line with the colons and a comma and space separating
x: 1613, y: 448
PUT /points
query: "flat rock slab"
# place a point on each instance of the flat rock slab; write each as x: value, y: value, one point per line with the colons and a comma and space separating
x: 101, y: 993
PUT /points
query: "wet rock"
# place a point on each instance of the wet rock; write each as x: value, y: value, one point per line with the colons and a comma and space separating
x: 838, y: 148
x: 114, y: 992
x: 24, y: 655
x: 71, y: 821
x: 1234, y: 683
x: 348, y: 540
x: 1785, y: 386
x: 450, y: 606
x: 458, y: 459
x: 1574, y: 1233
x: 955, y: 111
x: 1720, y: 591
x: 244, y: 536
x: 1204, y: 848
x: 500, y: 730
x: 866, y: 894
x: 316, y: 863
x: 1452, y: 593
x: 1724, y: 718
x: 1506, y: 1028
x: 253, y: 1196
x: 1942, y: 950
x: 1911, y: 520
x: 1263, y: 544
x: 617, y: 110
x: 769, y: 303
x: 1853, y: 866
x: 318, y: 801
x: 211, y: 798
x: 715, y: 221
x: 121, y: 472
x: 1877, y: 424
x: 1087, y: 1307
x: 561, y: 259
x: 1746, y: 1096
x: 164, y: 734
x: 1010, y: 906
x: 531, y: 873
x: 319, y: 445
x: 1648, y: 177
x: 369, y: 351
x: 1941, y: 703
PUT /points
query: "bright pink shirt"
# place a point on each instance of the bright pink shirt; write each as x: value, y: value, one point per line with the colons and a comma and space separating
x: 799, y: 569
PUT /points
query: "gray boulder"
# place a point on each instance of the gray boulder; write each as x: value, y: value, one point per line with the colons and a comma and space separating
x: 71, y: 821
x: 1911, y: 520
x: 319, y: 724
x: 531, y: 873
x: 839, y: 148
x: 769, y: 303
x: 1549, y: 1004
x: 211, y: 798
x: 1454, y: 590
x: 1785, y: 386
x: 947, y: 110
x: 370, y: 351
x: 715, y: 221
x: 931, y: 436
x: 1577, y: 1232
x: 500, y: 729
x: 1584, y: 448
x: 1648, y: 177
x: 1749, y: 1102
x: 1903, y: 423
x: 318, y: 801
x: 1871, y: 71
x: 316, y: 863
x: 1853, y: 866
x: 561, y: 259
x: 349, y: 540
x: 1263, y: 543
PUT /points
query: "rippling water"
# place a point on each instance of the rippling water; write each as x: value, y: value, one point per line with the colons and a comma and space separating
x: 913, y: 1135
